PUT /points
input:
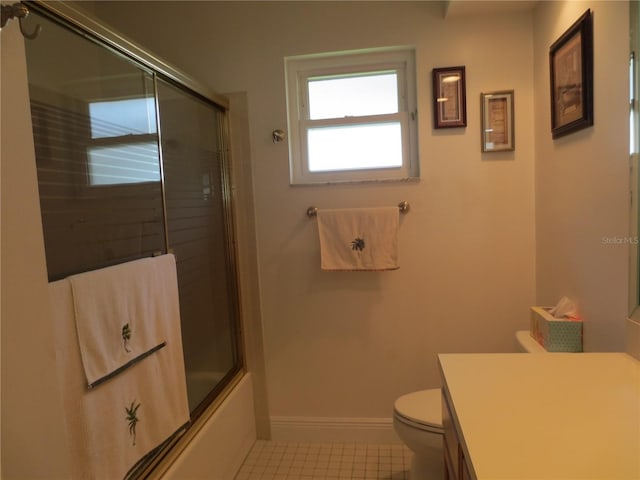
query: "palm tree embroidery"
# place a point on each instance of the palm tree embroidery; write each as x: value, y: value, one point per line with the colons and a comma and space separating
x: 126, y: 336
x: 357, y: 244
x: 132, y: 419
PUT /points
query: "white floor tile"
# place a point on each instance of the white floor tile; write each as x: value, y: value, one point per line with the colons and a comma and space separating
x: 325, y: 461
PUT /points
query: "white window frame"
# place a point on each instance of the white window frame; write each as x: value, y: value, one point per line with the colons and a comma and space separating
x: 299, y: 69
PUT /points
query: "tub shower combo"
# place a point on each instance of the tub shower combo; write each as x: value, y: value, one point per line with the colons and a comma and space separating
x: 132, y: 162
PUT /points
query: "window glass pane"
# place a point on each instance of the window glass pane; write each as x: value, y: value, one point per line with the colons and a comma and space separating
x: 352, y: 96
x: 355, y: 147
x: 122, y: 117
x: 125, y: 163
x: 127, y: 159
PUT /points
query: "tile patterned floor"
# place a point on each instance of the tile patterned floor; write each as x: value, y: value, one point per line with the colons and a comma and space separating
x: 325, y: 461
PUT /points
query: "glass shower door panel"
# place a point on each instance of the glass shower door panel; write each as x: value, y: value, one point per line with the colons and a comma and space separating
x: 96, y: 142
x: 197, y: 230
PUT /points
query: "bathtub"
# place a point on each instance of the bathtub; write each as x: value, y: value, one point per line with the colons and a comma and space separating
x: 219, y: 441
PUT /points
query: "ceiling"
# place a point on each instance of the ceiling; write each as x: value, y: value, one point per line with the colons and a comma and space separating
x: 456, y: 8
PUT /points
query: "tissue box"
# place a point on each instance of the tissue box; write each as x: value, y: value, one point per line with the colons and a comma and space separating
x: 555, y: 334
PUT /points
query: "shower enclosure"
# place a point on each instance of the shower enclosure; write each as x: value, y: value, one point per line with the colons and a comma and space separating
x: 133, y: 162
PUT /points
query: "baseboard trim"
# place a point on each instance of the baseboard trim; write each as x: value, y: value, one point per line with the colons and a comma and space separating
x: 328, y: 429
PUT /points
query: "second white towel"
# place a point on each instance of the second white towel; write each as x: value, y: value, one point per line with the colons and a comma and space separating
x: 359, y: 238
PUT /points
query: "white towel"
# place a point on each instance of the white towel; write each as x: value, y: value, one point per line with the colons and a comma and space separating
x: 100, y: 441
x: 359, y: 238
x: 117, y: 311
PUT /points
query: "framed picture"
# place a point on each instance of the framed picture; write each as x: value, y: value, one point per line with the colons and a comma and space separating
x: 497, y: 123
x: 449, y: 97
x: 571, y: 66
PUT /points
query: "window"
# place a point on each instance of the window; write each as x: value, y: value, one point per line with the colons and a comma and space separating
x: 124, y: 142
x: 352, y: 116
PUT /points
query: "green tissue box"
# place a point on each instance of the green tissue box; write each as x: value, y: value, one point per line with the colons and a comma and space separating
x: 555, y: 334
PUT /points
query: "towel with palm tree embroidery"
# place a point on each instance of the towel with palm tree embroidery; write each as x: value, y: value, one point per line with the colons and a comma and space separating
x: 117, y: 312
x: 359, y: 238
x: 111, y: 427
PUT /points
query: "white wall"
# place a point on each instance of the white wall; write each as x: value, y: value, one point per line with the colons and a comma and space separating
x: 33, y: 433
x: 347, y: 345
x: 246, y: 254
x: 344, y: 345
x: 582, y: 180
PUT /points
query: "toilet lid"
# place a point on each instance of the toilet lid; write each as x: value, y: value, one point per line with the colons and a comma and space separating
x: 423, y: 407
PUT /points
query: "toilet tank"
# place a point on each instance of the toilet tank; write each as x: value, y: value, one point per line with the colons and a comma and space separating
x: 526, y: 343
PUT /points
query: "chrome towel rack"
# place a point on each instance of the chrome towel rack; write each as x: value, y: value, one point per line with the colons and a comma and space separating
x: 402, y: 206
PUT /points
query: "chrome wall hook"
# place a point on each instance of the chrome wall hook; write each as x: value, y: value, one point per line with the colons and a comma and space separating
x: 19, y: 11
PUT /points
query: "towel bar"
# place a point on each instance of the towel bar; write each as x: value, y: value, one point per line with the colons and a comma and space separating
x: 402, y: 206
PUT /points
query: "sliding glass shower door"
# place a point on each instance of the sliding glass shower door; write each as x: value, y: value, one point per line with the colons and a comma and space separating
x: 132, y: 164
x: 194, y: 159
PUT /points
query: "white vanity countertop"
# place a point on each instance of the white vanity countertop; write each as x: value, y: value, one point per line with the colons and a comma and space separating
x: 546, y: 416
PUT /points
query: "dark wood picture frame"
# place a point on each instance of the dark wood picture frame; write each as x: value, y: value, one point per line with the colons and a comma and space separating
x: 449, y: 97
x: 571, y: 68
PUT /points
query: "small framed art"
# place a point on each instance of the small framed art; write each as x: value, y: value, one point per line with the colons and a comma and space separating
x: 497, y: 123
x: 449, y: 97
x: 571, y: 68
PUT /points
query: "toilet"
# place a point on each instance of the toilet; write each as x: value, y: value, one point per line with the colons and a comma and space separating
x: 417, y: 420
x: 526, y: 344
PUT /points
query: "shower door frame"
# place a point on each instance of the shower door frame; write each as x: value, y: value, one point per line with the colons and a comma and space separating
x: 75, y: 20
